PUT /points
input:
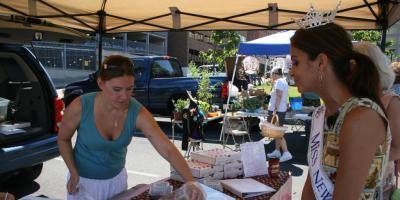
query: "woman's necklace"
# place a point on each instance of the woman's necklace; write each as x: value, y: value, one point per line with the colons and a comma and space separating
x: 115, y: 115
x: 115, y: 119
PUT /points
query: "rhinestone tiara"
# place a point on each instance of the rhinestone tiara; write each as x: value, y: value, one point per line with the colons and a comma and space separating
x: 315, y: 18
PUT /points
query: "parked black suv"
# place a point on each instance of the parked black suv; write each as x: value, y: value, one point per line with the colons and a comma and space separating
x: 33, y: 99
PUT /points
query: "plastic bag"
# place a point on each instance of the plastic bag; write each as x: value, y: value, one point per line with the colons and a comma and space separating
x: 188, y: 191
x: 160, y: 189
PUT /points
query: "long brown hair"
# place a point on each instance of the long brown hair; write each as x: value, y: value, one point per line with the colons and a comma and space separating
x: 355, y: 70
x: 116, y: 66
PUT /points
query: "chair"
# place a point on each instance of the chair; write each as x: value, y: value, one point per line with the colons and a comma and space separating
x: 195, y: 144
x: 235, y: 126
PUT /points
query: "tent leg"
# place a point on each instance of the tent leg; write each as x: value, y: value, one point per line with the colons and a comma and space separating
x: 383, y: 40
x: 100, y: 50
x: 384, y: 23
x: 222, y: 136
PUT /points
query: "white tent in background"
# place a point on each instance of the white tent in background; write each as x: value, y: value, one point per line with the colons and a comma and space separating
x: 275, y: 44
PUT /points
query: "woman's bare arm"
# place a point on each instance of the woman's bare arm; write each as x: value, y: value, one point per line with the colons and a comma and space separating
x: 394, y: 123
x: 69, y: 124
x: 362, y: 131
x: 146, y: 123
x: 308, y: 193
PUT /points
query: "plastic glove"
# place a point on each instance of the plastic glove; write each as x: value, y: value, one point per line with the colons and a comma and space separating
x: 188, y: 191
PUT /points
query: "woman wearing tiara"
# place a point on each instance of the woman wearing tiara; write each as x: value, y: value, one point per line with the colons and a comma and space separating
x: 350, y: 138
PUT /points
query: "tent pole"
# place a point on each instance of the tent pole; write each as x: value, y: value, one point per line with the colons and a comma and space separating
x: 102, y: 15
x: 222, y: 136
x: 383, y: 22
x: 383, y: 39
x: 100, y: 50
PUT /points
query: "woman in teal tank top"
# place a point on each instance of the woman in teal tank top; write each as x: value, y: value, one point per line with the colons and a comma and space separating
x: 350, y: 138
x: 105, y: 122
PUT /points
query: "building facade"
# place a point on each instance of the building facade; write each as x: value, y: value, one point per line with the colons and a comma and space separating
x: 187, y: 45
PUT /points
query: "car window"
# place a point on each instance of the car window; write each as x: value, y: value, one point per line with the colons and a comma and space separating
x: 14, y: 73
x: 138, y: 68
x: 15, y: 68
x: 165, y: 69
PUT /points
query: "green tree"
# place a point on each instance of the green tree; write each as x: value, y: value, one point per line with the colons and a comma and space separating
x: 226, y: 43
x: 374, y: 36
x: 370, y: 36
x: 204, y: 86
x: 193, y: 69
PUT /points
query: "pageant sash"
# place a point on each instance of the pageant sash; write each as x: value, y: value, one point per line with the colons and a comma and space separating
x: 321, y: 184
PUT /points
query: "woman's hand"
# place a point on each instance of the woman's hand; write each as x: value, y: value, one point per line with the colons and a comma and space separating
x: 72, y: 185
x: 195, y: 192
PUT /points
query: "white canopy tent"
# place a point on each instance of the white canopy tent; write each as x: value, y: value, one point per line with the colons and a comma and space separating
x: 275, y: 44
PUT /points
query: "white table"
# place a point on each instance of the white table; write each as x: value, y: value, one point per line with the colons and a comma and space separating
x: 300, y: 120
x: 250, y: 114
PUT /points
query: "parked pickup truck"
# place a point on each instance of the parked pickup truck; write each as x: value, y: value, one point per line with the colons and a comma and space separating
x: 158, y: 81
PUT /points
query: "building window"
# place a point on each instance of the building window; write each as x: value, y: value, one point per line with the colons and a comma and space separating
x: 191, y: 35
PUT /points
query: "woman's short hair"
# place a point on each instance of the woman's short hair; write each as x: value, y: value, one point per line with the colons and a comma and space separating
x: 116, y: 66
x: 396, y: 69
x: 381, y: 61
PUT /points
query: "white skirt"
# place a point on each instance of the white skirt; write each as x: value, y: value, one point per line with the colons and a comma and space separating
x: 100, y: 189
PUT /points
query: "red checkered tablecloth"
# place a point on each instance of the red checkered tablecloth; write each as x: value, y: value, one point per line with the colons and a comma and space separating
x: 275, y: 183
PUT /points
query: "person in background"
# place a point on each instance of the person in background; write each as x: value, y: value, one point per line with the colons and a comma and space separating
x: 396, y: 85
x: 224, y: 92
x: 391, y: 103
x: 240, y: 79
x: 278, y: 105
x: 105, y: 122
x: 324, y: 62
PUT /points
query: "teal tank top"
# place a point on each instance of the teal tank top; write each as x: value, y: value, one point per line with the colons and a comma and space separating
x: 96, y: 157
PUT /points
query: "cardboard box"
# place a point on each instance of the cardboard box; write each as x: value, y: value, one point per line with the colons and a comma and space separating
x: 233, y: 173
x: 217, y: 175
x: 233, y: 166
x: 199, y: 169
x: 216, y: 156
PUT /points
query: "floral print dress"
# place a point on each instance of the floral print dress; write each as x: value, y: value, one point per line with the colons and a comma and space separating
x: 374, y: 184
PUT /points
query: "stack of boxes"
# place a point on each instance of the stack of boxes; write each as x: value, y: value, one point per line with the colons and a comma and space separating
x: 213, y: 164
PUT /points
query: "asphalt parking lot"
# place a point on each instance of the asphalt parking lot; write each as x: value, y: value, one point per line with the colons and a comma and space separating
x: 144, y: 165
